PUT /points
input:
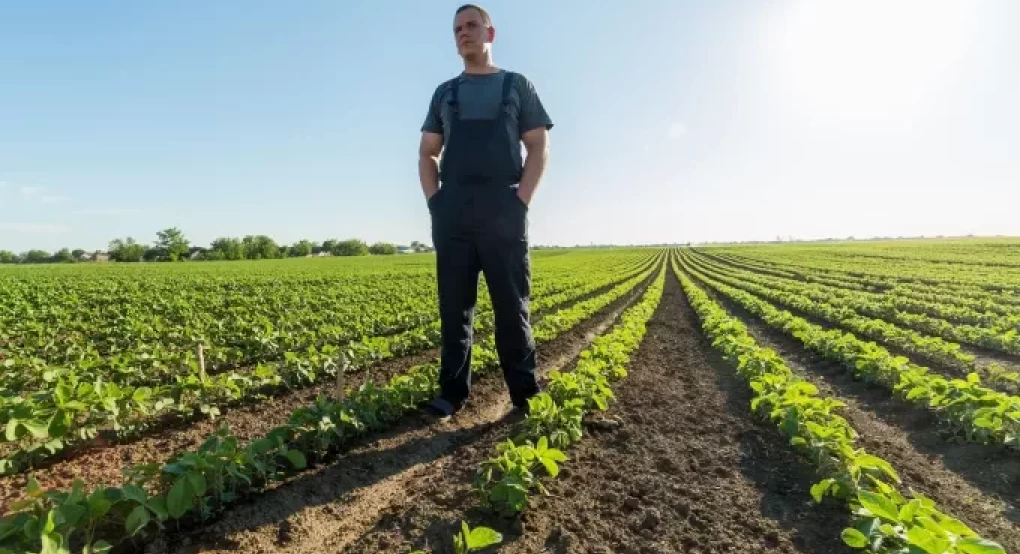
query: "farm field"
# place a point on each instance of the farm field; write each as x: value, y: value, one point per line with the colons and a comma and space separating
x: 810, y: 398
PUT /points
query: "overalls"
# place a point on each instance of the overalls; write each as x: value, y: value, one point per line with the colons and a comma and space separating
x: 480, y: 225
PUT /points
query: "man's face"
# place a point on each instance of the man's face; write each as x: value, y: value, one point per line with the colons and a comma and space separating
x: 471, y: 33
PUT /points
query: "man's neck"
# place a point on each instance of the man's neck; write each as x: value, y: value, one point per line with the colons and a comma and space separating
x: 481, y: 66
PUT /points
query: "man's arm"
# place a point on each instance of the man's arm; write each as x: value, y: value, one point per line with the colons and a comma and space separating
x: 428, y: 162
x: 535, y: 124
x: 536, y: 142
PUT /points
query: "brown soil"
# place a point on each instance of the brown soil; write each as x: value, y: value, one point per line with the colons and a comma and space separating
x: 102, y: 463
x: 983, y: 357
x: 683, y: 468
x: 978, y: 484
x: 328, y: 506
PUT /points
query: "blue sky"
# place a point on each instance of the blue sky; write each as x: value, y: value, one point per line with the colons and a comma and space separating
x: 675, y: 120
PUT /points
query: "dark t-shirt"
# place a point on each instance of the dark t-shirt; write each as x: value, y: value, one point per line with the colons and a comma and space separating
x: 480, y: 97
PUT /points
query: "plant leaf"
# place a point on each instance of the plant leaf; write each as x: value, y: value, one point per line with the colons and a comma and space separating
x: 879, y: 505
x: 179, y: 499
x: 972, y: 545
x: 482, y: 537
x: 136, y: 520
x: 854, y: 538
x: 819, y: 489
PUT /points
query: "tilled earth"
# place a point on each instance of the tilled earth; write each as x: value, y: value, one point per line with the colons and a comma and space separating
x: 325, y: 508
x: 677, y: 465
x: 979, y: 484
x: 103, y: 463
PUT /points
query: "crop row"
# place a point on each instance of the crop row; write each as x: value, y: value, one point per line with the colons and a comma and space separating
x: 152, y: 335
x: 845, y: 308
x: 505, y: 481
x: 971, y: 306
x: 844, y: 312
x: 908, y: 302
x: 194, y: 486
x: 969, y: 410
x: 884, y: 520
x: 40, y: 426
x: 970, y: 278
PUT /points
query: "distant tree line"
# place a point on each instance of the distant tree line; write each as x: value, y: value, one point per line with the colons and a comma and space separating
x: 172, y: 246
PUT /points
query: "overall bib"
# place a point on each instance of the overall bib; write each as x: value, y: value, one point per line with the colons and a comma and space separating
x: 479, y: 225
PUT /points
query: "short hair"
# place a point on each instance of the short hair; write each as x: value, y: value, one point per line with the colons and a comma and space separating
x: 485, y: 15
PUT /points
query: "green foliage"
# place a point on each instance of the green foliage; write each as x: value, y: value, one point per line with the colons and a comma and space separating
x: 226, y: 248
x: 260, y: 247
x: 884, y: 520
x: 301, y: 248
x: 350, y: 247
x: 127, y: 250
x: 968, y: 410
x: 382, y: 248
x: 471, y: 540
x: 62, y: 256
x: 171, y: 244
x: 8, y: 257
x: 505, y: 481
x: 36, y: 257
x: 197, y: 485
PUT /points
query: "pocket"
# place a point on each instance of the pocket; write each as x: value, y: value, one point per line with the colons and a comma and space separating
x: 518, y: 199
x: 431, y: 202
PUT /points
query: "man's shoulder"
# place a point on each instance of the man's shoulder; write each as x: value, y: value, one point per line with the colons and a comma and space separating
x: 443, y: 87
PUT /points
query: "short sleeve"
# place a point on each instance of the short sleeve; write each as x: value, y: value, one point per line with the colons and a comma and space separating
x: 533, y: 113
x: 433, y: 119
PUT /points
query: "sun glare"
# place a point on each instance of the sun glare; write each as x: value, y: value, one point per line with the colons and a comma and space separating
x: 864, y: 60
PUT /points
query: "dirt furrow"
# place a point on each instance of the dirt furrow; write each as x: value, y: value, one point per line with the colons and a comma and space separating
x: 677, y: 465
x: 976, y: 483
x: 327, y: 507
x: 102, y: 463
x: 983, y: 357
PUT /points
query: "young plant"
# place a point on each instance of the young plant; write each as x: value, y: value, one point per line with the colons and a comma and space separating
x: 473, y: 540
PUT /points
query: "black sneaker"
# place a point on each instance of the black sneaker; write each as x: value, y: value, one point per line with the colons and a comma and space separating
x: 439, y: 410
x: 517, y: 414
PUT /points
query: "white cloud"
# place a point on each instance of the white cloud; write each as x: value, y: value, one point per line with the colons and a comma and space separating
x: 29, y: 191
x: 32, y: 228
x: 108, y: 211
x: 677, y: 130
x: 54, y: 198
x: 38, y: 193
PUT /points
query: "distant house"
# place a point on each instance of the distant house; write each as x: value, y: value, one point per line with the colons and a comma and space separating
x: 100, y: 256
x: 404, y: 250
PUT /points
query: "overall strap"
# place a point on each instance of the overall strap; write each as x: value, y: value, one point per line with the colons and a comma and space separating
x: 454, y: 102
x: 508, y: 87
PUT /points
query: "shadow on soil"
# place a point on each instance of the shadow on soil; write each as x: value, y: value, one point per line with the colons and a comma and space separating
x: 343, y: 476
x: 768, y: 461
x: 991, y: 469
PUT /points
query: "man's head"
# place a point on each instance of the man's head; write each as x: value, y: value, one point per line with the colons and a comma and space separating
x: 473, y: 31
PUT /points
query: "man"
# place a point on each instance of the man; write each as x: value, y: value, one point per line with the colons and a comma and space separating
x: 477, y: 121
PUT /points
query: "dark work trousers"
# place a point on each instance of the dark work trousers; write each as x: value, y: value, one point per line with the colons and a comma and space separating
x: 480, y: 226
x: 482, y: 229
